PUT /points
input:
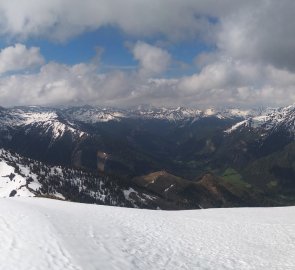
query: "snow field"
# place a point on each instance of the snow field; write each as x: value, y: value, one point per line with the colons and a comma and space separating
x: 40, y: 233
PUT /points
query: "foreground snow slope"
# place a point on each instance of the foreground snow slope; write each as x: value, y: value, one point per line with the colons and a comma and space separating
x: 46, y: 234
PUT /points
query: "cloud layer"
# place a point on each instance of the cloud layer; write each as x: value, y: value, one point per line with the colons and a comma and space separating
x: 61, y: 19
x: 253, y: 62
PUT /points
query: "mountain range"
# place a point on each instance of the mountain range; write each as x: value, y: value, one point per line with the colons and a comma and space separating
x: 172, y: 158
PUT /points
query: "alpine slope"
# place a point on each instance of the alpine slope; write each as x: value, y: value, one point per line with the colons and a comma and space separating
x: 38, y: 233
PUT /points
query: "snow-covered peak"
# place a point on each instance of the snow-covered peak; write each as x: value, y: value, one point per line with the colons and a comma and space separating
x: 181, y: 113
x: 47, y: 120
x: 170, y: 114
x: 240, y: 113
x: 92, y: 115
x: 88, y: 114
x: 209, y: 112
x: 270, y: 120
x: 50, y: 122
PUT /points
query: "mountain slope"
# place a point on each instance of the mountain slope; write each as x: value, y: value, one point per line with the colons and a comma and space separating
x: 207, y: 191
x: 22, y: 177
x: 46, y: 120
x: 271, y: 121
x: 262, y: 150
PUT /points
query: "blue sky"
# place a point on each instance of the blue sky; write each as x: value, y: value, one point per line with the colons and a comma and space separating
x: 160, y: 52
x: 82, y: 48
x: 115, y: 52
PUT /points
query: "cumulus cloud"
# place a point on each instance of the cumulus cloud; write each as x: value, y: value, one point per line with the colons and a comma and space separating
x: 53, y: 84
x: 153, y: 60
x: 19, y: 57
x: 230, y: 82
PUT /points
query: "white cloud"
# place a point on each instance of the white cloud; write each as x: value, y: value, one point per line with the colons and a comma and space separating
x: 61, y: 19
x: 231, y: 82
x: 222, y: 83
x: 153, y: 60
x: 19, y: 57
x: 53, y: 84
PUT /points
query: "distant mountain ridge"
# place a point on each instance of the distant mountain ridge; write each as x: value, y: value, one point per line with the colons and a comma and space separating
x: 96, y: 114
x: 25, y: 115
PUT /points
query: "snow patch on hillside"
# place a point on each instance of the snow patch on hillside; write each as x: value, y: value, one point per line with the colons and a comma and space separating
x: 20, y: 182
x: 236, y: 126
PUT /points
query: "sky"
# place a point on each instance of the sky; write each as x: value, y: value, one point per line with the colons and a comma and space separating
x: 192, y: 53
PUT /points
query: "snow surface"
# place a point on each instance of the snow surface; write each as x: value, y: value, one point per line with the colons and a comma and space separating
x: 47, y: 234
